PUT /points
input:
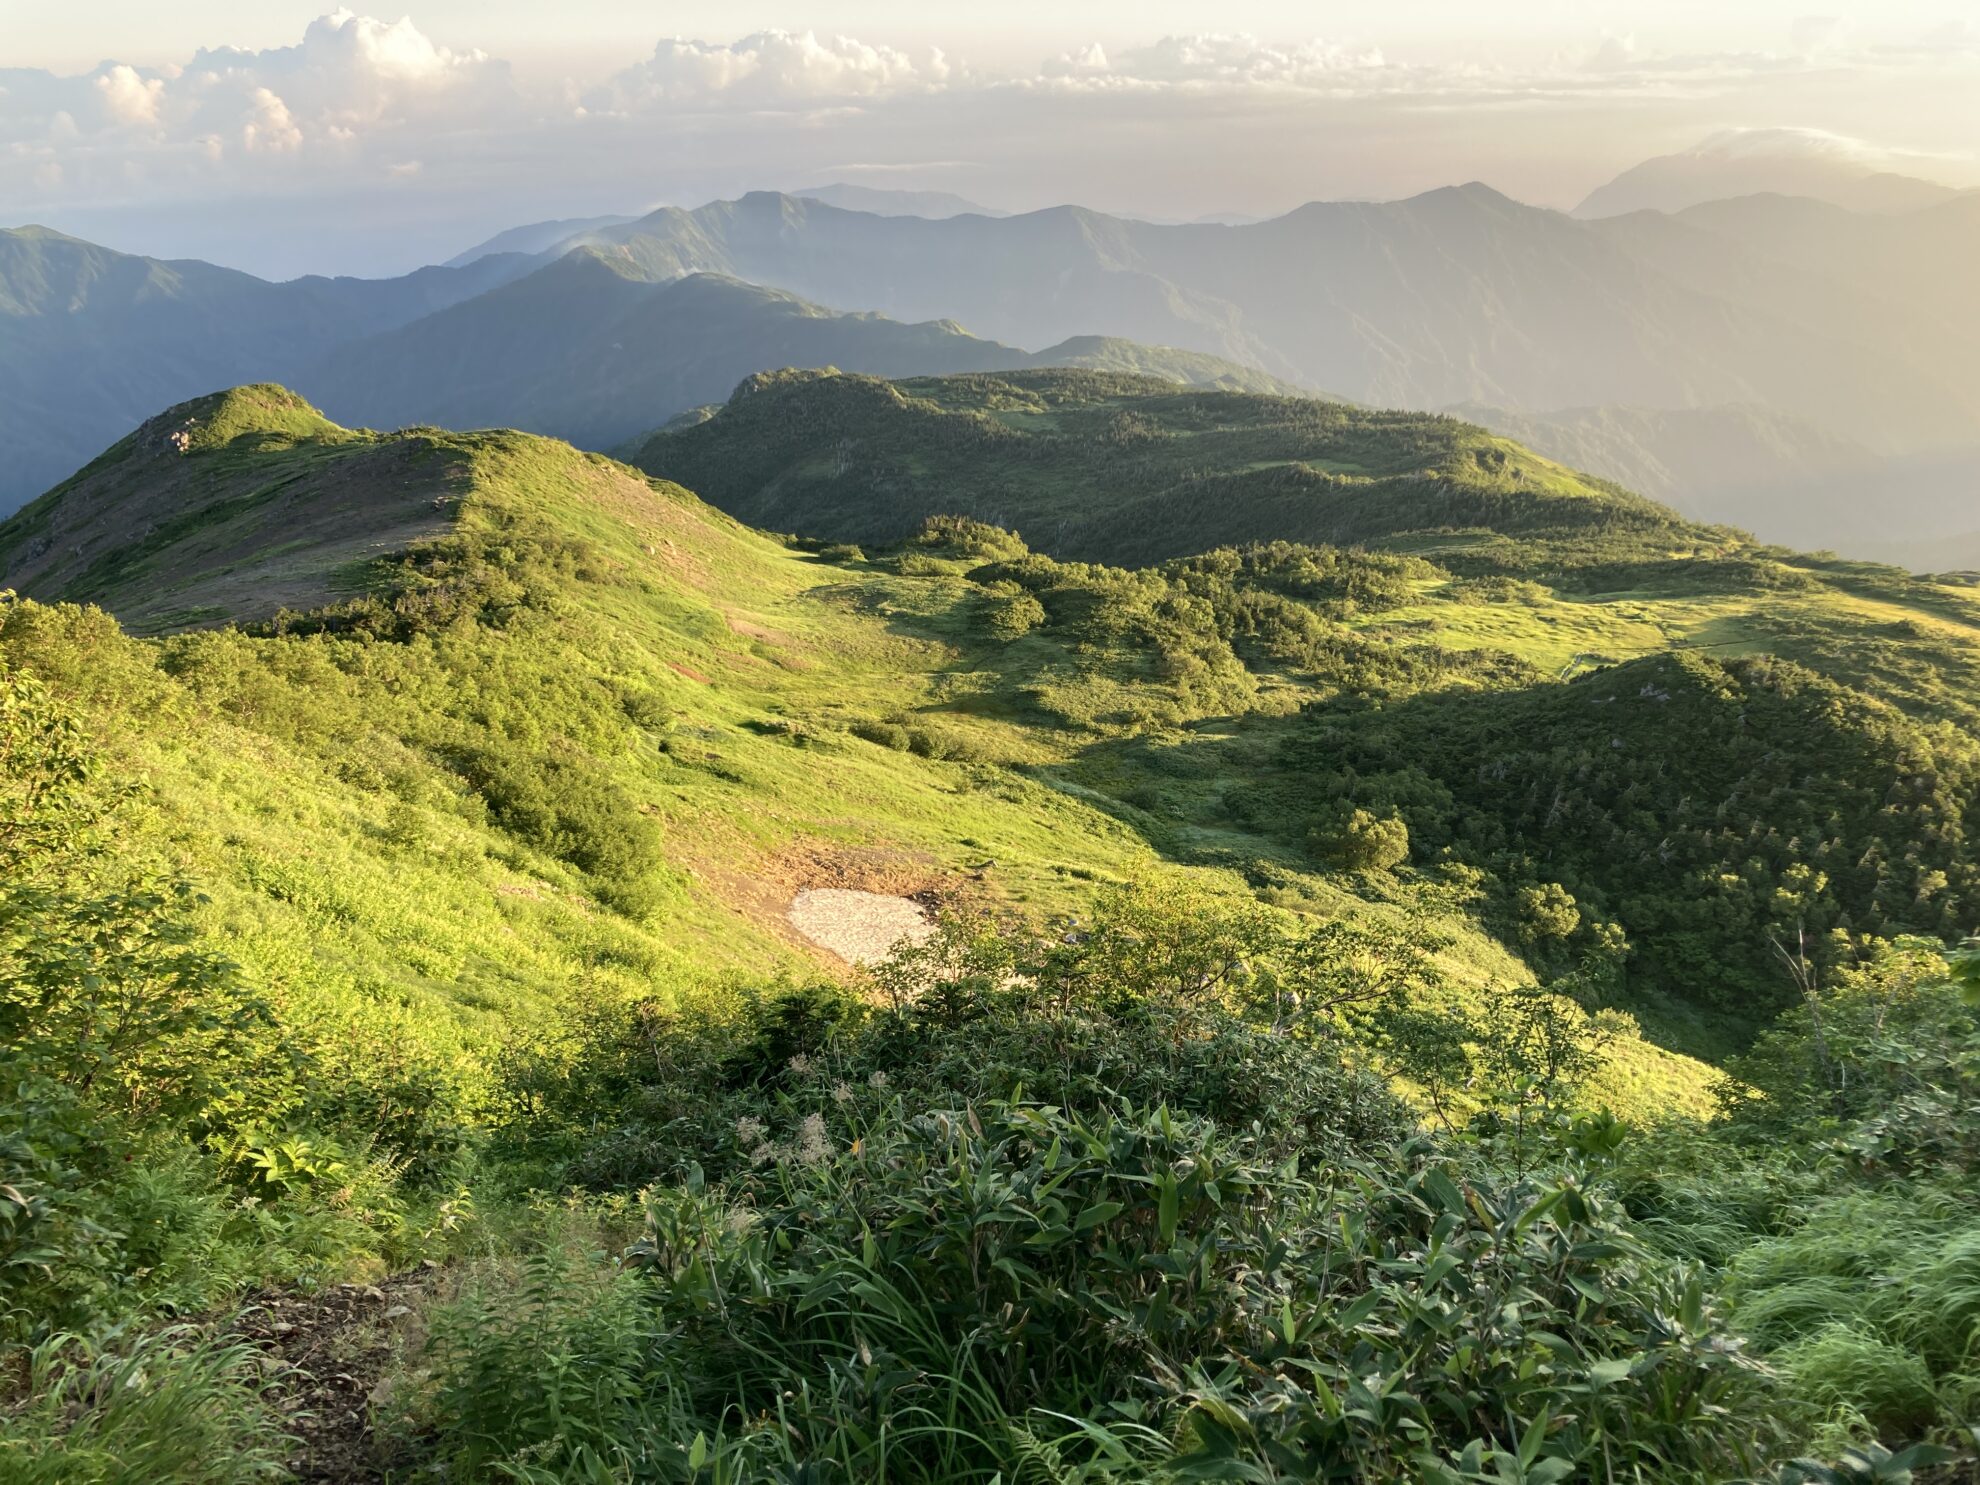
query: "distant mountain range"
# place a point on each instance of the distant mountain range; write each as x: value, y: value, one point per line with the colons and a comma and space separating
x: 1460, y: 295
x: 1764, y: 359
x: 92, y: 341
x: 581, y: 350
x: 575, y: 346
x: 1785, y: 478
x: 883, y: 202
x: 1751, y: 162
x: 535, y: 237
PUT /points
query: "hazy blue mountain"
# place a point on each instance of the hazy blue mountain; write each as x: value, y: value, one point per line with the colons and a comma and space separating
x: 889, y: 203
x: 535, y: 237
x: 94, y: 341
x: 1782, y: 478
x: 585, y: 351
x: 1690, y: 458
x: 1721, y: 327
x: 1746, y: 162
x: 1458, y: 295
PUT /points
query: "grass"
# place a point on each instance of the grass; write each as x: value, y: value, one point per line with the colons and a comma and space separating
x: 166, y: 1406
x: 307, y: 782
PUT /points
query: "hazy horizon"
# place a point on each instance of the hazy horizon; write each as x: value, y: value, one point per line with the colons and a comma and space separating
x: 287, y: 141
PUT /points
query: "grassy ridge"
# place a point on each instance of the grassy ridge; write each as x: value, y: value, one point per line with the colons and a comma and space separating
x: 1127, y: 470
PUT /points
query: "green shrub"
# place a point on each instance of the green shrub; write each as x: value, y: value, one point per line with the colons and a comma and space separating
x: 883, y: 734
x: 1360, y: 840
x: 565, y: 804
x: 961, y: 1268
x: 1012, y: 615
x: 547, y: 1362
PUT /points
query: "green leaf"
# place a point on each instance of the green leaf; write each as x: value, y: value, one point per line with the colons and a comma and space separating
x: 1100, y: 1211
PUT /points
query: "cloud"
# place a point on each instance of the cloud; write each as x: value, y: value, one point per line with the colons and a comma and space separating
x: 1216, y: 60
x: 128, y: 97
x: 269, y: 125
x: 348, y: 77
x: 1615, y: 54
x: 1786, y: 143
x: 370, y: 123
x: 768, y: 69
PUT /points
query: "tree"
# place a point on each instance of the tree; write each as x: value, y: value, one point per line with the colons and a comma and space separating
x: 1546, y: 913
x: 1362, y: 841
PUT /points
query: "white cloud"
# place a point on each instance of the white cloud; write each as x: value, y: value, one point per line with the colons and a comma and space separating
x: 370, y: 122
x: 348, y: 76
x: 1215, y: 61
x: 127, y: 96
x: 768, y: 69
x: 1787, y: 144
x: 1615, y: 54
x: 269, y: 125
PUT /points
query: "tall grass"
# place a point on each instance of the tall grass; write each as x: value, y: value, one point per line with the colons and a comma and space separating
x: 171, y: 1405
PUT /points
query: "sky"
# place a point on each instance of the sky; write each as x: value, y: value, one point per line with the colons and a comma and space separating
x: 283, y: 138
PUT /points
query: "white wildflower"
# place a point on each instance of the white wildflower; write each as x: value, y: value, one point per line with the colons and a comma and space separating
x: 842, y: 1092
x: 749, y: 1131
x: 814, y: 1145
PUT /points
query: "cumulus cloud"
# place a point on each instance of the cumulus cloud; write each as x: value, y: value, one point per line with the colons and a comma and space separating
x: 1615, y: 54
x: 1217, y: 60
x: 768, y: 69
x: 366, y: 114
x: 269, y: 125
x: 127, y: 96
x: 349, y: 78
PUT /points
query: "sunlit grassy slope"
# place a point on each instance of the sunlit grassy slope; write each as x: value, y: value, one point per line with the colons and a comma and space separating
x: 511, y: 723
x: 336, y: 784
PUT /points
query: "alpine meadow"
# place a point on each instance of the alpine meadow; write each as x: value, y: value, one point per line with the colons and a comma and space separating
x: 830, y: 834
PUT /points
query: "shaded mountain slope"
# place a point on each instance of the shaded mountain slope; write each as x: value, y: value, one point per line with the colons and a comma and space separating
x: 583, y: 351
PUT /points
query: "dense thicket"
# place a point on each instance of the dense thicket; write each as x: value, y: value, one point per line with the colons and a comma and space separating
x: 1735, y: 820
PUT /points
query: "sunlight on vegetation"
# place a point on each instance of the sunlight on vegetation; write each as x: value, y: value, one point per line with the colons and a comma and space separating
x: 1397, y: 1011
